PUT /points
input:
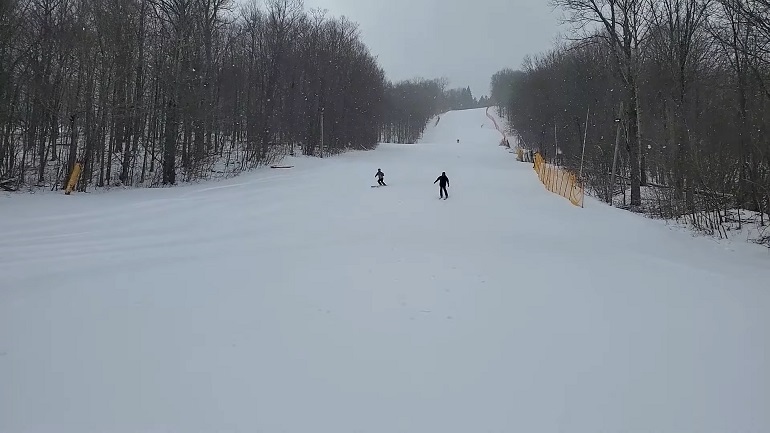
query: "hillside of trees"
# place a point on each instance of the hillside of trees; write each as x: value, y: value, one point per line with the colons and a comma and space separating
x: 409, y: 106
x: 683, y: 86
x: 152, y: 92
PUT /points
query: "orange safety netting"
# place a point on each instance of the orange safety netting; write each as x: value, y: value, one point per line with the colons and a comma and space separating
x: 559, y: 181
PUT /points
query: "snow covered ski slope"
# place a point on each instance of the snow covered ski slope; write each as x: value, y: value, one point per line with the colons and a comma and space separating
x: 303, y: 300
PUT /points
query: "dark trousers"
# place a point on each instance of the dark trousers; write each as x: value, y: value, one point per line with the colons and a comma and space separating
x: 381, y: 182
x: 442, y: 191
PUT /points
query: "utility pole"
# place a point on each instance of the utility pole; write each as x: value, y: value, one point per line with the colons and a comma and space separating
x: 615, y: 157
x: 585, y: 135
x: 555, y: 145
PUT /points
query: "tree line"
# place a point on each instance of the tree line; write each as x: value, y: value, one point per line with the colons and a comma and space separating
x: 683, y: 88
x: 409, y: 105
x: 151, y: 92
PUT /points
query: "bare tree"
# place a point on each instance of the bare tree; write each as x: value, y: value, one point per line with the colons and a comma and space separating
x: 701, y: 70
x: 623, y: 25
x: 679, y: 42
x: 153, y: 92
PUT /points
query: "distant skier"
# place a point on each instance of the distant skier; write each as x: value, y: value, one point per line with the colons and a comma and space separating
x: 380, y: 175
x: 443, y: 183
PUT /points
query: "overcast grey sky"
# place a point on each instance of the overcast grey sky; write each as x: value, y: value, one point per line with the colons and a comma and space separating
x: 465, y: 41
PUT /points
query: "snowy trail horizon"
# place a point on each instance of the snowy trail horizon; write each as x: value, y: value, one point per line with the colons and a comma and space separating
x: 304, y: 300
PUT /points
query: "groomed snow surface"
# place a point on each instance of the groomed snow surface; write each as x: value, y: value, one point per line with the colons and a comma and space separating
x: 302, y: 300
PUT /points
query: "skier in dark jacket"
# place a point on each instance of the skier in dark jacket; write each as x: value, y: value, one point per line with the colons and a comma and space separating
x: 443, y: 183
x: 380, y: 175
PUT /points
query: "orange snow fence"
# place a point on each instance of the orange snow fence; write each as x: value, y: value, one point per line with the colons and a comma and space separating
x: 73, y: 178
x: 559, y: 181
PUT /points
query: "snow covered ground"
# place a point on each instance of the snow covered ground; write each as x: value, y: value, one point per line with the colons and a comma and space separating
x: 302, y: 300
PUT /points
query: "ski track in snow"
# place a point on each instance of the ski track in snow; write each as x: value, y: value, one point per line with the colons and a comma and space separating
x: 309, y: 301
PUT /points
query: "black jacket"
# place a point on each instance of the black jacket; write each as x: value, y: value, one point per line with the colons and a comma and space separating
x: 443, y: 180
